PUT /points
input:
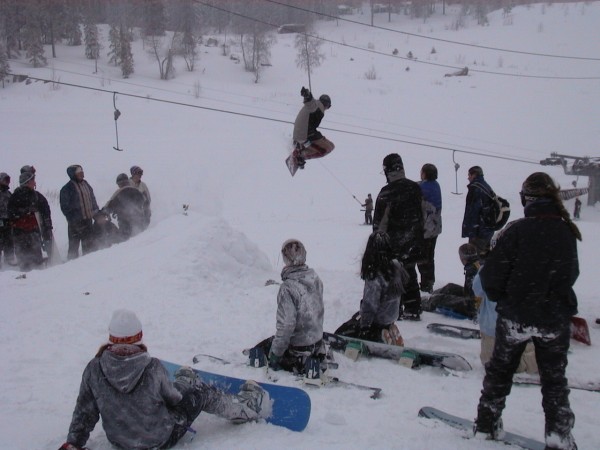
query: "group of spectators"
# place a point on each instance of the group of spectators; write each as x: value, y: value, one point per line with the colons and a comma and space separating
x: 26, y: 236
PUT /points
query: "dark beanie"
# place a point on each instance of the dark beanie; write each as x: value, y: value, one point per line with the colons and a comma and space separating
x: 392, y: 163
x: 539, y: 184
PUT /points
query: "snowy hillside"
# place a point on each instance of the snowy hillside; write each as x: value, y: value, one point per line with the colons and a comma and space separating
x: 197, y: 281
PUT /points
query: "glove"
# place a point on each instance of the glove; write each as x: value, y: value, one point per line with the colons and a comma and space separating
x: 67, y: 446
x: 306, y: 94
x: 274, y: 362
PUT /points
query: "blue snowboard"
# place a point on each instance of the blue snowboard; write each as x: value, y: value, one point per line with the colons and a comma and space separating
x: 291, y: 406
x: 467, y: 425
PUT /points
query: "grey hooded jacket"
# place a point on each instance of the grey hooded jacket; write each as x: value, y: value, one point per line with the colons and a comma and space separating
x: 300, y: 309
x: 132, y: 394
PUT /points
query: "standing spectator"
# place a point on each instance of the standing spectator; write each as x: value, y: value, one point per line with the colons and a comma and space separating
x: 532, y: 285
x: 432, y: 216
x: 45, y: 219
x: 300, y: 311
x: 22, y: 210
x: 78, y: 204
x: 473, y: 226
x: 129, y: 205
x: 399, y: 213
x: 309, y: 141
x: 6, y: 239
x: 136, y: 182
x: 368, y: 205
x: 139, y: 406
x: 577, y: 210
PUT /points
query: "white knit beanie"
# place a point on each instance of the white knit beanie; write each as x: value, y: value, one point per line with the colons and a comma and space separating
x: 124, y: 328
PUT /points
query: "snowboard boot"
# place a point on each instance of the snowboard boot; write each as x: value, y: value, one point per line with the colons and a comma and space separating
x: 255, y: 401
x: 185, y: 375
x: 300, y: 161
x: 312, y: 371
x: 487, y: 425
x: 257, y: 357
x: 391, y: 336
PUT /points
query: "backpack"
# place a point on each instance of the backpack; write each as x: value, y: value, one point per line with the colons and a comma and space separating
x: 496, y: 212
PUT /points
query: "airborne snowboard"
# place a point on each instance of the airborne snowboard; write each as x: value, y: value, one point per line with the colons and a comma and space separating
x: 467, y: 425
x: 454, y: 331
x: 291, y: 406
x: 292, y: 163
x: 411, y: 357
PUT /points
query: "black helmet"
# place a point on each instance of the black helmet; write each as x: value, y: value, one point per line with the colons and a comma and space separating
x: 392, y: 163
x: 326, y: 100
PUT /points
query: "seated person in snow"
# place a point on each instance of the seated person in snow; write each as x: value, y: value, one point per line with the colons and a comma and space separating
x: 140, y: 408
x: 384, y: 278
x: 300, y: 313
x: 454, y: 298
x: 309, y: 142
x: 128, y: 204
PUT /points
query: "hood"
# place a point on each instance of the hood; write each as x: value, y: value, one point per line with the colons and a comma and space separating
x: 301, y: 274
x: 71, y: 171
x: 124, y: 372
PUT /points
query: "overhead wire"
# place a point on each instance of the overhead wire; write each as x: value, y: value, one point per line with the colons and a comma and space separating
x: 448, y: 41
x: 412, y: 60
x: 272, y: 119
x: 339, y: 114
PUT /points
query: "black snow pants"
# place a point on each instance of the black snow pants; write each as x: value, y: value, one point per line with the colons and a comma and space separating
x: 551, y: 347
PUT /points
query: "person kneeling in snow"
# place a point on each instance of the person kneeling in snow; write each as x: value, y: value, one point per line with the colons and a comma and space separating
x: 140, y: 408
x: 300, y: 313
x: 384, y: 280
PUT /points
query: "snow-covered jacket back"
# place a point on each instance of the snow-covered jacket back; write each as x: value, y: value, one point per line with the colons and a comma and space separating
x: 132, y: 394
x: 531, y: 271
x: 300, y: 309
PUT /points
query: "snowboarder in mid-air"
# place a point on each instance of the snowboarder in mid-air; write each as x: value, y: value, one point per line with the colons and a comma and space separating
x: 309, y: 143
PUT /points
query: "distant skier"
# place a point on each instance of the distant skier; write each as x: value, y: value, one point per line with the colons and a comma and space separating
x: 308, y: 141
x: 136, y: 182
x: 368, y: 205
x: 577, y: 210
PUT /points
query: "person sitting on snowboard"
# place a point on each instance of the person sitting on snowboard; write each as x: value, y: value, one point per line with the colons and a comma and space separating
x: 308, y: 141
x: 456, y: 299
x: 139, y: 406
x: 384, y: 277
x: 300, y: 311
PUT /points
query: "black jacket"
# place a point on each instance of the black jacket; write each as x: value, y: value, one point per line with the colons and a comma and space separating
x: 531, y: 271
x: 398, y: 212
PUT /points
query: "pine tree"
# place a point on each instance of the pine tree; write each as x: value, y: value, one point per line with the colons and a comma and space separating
x: 114, y: 53
x: 92, y: 44
x: 4, y: 65
x: 154, y: 18
x: 126, y: 56
x: 71, y: 22
x: 32, y: 42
